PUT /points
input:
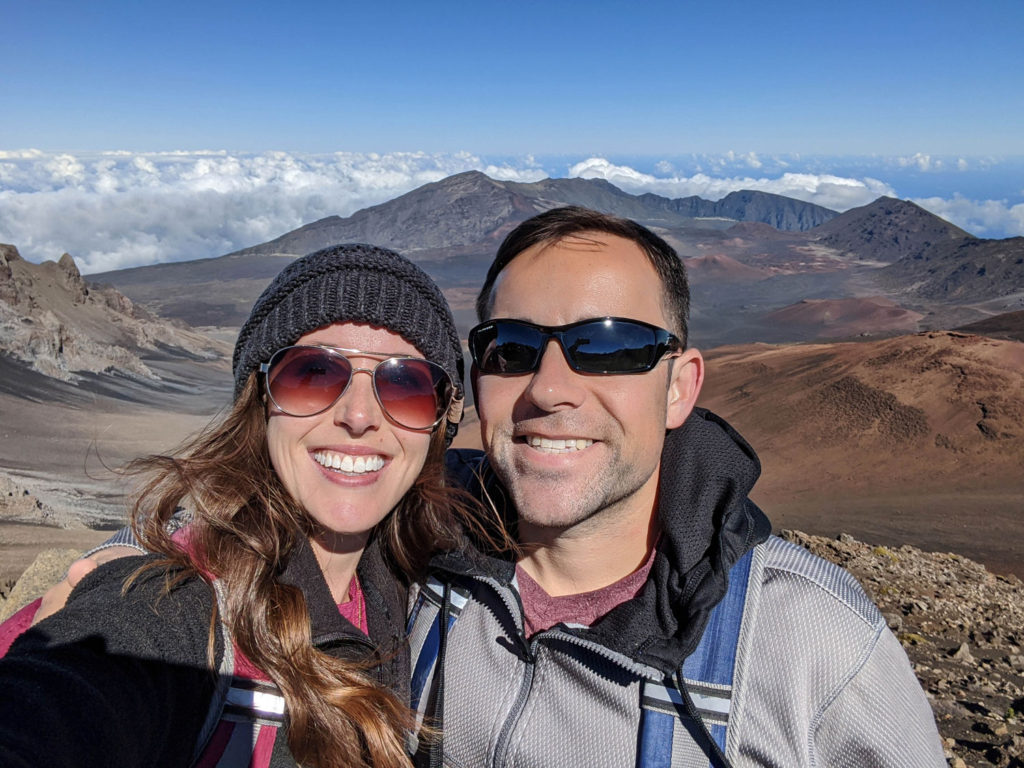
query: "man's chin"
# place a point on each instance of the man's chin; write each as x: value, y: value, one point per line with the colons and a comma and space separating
x: 550, y: 504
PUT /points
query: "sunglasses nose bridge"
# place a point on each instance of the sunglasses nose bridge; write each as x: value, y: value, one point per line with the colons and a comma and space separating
x: 559, y: 338
x: 359, y: 409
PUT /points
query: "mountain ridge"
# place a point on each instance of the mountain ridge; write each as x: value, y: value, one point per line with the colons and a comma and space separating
x: 452, y: 228
x: 59, y: 324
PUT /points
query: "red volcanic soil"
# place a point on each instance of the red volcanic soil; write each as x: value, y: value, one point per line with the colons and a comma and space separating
x: 846, y: 317
x: 911, y: 440
x: 718, y: 266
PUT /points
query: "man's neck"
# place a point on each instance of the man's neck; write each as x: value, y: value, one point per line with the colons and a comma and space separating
x: 590, y: 555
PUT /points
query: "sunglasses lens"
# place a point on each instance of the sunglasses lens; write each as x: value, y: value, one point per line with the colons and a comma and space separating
x: 303, y: 381
x: 607, y: 345
x: 611, y: 346
x: 506, y: 347
x: 415, y: 393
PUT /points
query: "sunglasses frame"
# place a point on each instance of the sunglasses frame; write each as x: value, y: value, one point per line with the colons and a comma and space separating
x: 665, y: 341
x: 343, y: 352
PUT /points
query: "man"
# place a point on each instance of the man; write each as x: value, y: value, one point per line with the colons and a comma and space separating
x: 599, y: 646
x: 648, y: 619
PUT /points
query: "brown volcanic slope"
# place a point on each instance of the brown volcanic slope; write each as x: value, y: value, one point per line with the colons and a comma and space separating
x: 971, y: 270
x: 838, y: 318
x: 914, y: 439
x: 1009, y: 325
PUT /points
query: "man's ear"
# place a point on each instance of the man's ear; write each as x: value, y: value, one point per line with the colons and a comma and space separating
x: 473, y: 375
x: 685, y: 381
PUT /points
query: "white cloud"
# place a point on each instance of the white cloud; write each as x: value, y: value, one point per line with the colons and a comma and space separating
x: 983, y: 218
x: 119, y: 209
x: 835, y: 192
x: 921, y: 161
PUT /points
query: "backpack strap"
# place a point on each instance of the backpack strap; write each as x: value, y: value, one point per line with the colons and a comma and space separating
x: 245, y: 712
x: 701, y: 703
x: 225, y: 671
x: 425, y: 648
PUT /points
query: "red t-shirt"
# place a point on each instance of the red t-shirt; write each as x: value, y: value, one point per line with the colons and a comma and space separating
x: 542, y: 611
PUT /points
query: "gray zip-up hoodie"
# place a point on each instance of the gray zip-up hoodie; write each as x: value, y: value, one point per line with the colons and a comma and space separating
x: 818, y: 678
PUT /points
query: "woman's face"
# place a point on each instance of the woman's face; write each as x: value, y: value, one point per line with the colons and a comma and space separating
x: 387, y: 458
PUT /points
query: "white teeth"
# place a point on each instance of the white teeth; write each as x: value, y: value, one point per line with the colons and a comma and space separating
x: 358, y: 465
x: 548, y: 445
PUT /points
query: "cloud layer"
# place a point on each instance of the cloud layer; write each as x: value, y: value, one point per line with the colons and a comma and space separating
x: 120, y: 209
x: 830, y: 191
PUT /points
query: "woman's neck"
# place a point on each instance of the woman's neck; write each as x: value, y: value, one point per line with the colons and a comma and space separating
x: 338, y: 556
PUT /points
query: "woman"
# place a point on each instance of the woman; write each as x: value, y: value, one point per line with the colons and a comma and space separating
x: 313, y: 503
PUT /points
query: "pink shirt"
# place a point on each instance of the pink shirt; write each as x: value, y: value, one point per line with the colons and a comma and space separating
x: 355, y: 609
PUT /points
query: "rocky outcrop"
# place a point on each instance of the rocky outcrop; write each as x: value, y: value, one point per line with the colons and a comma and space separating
x: 18, y: 503
x: 963, y: 629
x: 46, y: 570
x: 783, y: 213
x: 60, y: 325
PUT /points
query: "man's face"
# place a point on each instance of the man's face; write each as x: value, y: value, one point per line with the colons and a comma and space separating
x: 574, y: 448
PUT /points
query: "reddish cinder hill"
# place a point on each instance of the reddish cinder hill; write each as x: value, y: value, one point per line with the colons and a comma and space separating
x: 914, y: 439
x: 718, y: 266
x: 836, y: 318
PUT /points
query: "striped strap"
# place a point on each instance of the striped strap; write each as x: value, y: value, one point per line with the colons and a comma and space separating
x: 708, y: 675
x: 430, y: 597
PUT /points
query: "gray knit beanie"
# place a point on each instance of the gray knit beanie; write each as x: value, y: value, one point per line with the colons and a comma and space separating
x: 359, y: 284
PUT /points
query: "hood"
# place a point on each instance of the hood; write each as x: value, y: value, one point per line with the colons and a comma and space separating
x: 708, y: 523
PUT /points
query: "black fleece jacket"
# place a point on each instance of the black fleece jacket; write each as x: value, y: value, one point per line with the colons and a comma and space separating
x: 124, y: 680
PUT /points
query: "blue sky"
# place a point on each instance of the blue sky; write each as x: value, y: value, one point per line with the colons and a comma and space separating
x: 248, y: 119
x: 597, y: 77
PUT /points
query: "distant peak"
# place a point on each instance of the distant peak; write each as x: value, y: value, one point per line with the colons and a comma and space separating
x: 67, y: 263
x: 477, y: 176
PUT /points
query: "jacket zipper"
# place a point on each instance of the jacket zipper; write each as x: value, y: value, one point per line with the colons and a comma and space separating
x: 512, y: 720
x: 514, y: 605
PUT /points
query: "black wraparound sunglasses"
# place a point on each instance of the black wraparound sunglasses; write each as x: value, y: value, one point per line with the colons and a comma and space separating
x: 602, y: 345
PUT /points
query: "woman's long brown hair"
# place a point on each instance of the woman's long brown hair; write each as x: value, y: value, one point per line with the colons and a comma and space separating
x: 243, y: 527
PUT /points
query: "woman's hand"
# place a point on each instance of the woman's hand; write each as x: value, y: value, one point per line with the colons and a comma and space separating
x: 56, y: 596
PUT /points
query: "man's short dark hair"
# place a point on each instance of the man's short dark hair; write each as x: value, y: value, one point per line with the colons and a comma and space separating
x: 559, y: 223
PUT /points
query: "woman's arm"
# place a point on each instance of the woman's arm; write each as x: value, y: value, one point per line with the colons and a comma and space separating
x: 112, y: 679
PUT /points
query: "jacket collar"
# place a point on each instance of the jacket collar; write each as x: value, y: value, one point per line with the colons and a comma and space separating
x: 385, y: 598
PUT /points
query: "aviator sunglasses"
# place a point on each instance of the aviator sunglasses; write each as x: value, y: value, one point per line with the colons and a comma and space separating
x: 306, y: 380
x: 604, y: 345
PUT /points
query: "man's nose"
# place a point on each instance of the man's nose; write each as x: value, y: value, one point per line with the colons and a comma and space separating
x: 554, y: 385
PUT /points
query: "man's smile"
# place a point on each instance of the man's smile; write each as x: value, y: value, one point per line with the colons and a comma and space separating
x: 558, y: 445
